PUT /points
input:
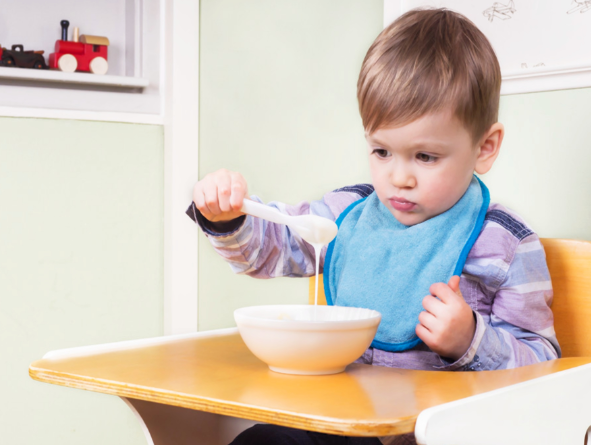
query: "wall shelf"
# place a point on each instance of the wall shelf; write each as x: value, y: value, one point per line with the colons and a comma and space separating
x: 48, y: 76
x: 133, y: 87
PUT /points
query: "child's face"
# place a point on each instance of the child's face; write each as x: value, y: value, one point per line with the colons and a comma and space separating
x: 423, y: 168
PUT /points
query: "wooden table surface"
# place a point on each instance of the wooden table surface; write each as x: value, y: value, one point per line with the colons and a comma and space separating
x: 218, y: 374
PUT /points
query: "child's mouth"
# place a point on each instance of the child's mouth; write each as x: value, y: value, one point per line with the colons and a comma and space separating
x: 401, y: 204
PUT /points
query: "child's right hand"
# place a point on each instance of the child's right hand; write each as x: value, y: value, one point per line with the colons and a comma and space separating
x: 219, y: 195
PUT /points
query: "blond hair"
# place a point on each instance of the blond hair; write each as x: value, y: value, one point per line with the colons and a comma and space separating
x: 426, y: 61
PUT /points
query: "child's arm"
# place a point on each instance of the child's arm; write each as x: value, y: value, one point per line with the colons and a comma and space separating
x: 517, y: 329
x: 254, y: 246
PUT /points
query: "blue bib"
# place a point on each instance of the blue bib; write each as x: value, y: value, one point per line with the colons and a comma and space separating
x: 378, y: 263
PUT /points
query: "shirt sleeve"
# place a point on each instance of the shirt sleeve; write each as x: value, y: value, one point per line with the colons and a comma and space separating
x: 519, y: 331
x: 262, y: 249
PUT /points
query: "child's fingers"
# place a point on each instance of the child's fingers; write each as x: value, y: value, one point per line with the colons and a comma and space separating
x: 443, y: 292
x: 199, y: 200
x: 224, y: 190
x: 433, y: 305
x: 219, y: 195
x: 428, y: 320
x: 424, y: 334
x: 454, y: 283
x: 211, y: 199
x: 238, y: 191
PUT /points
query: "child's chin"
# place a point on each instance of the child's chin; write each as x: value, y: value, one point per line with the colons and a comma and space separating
x: 408, y: 218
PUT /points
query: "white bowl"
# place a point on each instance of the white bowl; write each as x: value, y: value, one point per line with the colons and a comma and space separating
x: 306, y: 339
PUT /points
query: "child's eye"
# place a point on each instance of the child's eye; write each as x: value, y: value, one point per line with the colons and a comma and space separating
x: 424, y: 157
x: 381, y: 153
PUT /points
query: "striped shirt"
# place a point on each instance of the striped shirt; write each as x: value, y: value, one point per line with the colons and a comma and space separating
x: 505, y: 281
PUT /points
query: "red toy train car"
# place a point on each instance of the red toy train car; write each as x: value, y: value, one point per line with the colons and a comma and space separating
x: 88, y: 54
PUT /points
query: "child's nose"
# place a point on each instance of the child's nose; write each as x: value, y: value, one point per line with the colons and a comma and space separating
x: 402, y: 177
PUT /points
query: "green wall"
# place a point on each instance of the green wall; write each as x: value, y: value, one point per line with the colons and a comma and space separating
x: 543, y: 169
x: 277, y: 103
x: 81, y: 263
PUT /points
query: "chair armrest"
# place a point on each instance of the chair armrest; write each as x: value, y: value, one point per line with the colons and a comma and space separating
x: 553, y: 409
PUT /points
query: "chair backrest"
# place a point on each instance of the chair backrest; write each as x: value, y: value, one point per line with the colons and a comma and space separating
x: 569, y: 262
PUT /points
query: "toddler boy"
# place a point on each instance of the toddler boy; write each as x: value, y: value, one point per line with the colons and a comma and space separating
x: 428, y: 96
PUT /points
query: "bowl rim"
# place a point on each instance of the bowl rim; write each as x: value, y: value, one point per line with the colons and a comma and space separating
x: 241, y: 316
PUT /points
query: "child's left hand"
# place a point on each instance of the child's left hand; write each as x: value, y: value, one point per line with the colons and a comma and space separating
x: 447, y: 325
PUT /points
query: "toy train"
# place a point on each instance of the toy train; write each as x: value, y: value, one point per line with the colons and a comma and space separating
x: 84, y: 53
x: 87, y: 53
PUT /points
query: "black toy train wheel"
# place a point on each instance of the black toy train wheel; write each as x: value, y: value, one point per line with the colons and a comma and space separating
x: 8, y: 61
x: 39, y: 65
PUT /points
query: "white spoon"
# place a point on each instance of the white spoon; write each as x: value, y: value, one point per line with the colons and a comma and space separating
x: 314, y: 229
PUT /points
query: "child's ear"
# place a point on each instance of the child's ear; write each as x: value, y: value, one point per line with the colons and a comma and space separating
x: 488, y: 148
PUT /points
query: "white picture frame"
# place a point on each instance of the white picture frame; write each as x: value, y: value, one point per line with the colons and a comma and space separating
x: 541, y: 46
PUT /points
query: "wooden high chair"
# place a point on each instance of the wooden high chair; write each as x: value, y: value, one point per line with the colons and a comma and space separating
x: 569, y: 262
x: 204, y: 388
